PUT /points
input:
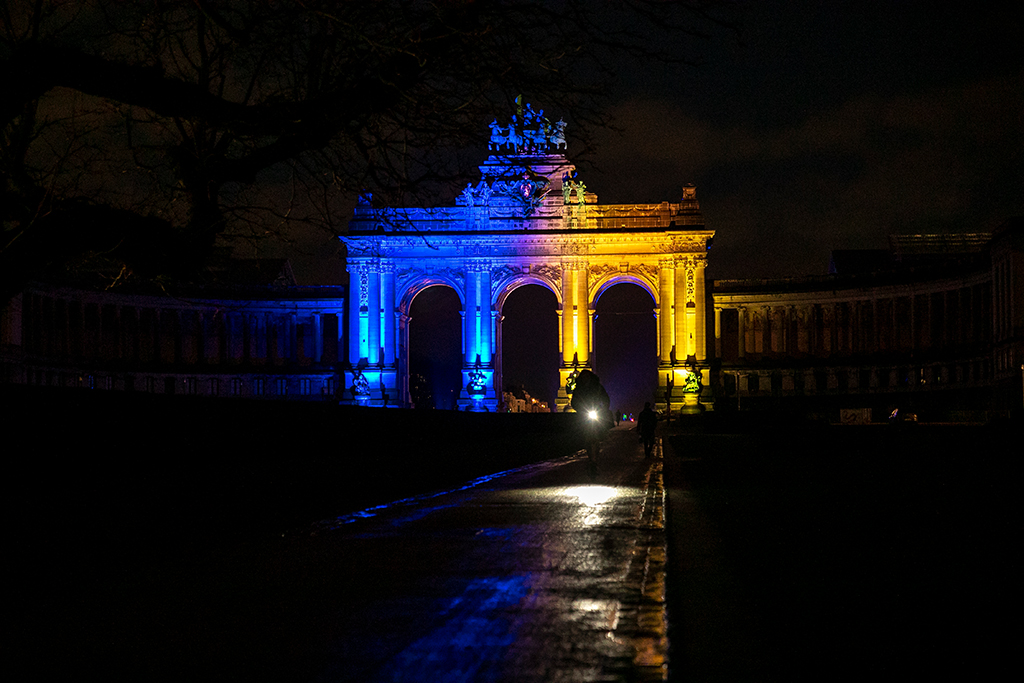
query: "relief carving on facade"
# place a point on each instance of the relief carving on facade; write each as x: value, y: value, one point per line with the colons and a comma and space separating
x: 552, y: 274
x: 599, y: 272
x: 573, y: 247
x: 647, y: 272
x: 364, y: 287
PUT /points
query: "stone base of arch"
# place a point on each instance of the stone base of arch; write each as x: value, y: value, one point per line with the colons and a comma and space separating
x: 383, y: 388
x: 563, y: 398
x: 485, y: 402
x: 673, y: 399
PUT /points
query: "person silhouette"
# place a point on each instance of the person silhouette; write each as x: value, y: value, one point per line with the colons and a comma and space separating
x: 646, y: 424
x: 590, y: 399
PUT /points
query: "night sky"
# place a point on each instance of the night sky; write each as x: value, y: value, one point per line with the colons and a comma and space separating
x: 824, y: 125
x: 813, y: 126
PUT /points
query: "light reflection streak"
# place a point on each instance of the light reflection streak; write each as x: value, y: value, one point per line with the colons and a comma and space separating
x: 592, y: 496
x: 368, y: 513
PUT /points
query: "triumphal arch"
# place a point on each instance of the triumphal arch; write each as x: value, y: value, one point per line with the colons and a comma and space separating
x: 530, y: 219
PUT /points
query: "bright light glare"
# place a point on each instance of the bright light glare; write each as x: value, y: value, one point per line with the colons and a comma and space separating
x: 592, y: 496
x: 592, y: 414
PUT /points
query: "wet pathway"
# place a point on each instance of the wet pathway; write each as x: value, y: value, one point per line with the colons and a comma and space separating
x: 536, y: 574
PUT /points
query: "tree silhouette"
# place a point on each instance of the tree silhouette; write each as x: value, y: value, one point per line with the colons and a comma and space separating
x: 132, y: 135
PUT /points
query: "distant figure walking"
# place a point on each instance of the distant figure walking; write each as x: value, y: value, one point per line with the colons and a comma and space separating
x: 646, y: 424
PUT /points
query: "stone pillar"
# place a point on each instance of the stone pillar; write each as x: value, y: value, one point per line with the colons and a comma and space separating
x: 356, y: 312
x: 802, y: 342
x: 576, y: 321
x: 741, y: 321
x: 484, y: 317
x: 389, y: 321
x: 318, y: 337
x: 679, y: 311
x: 477, y: 342
x: 718, y: 332
x: 293, y: 337
x: 699, y: 329
x: 874, y: 326
x: 584, y: 316
x: 666, y: 296
x: 575, y: 314
x: 469, y: 316
x: 566, y: 335
x: 373, y: 339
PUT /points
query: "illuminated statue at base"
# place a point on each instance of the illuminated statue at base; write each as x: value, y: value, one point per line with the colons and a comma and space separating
x: 477, y: 381
x: 360, y: 386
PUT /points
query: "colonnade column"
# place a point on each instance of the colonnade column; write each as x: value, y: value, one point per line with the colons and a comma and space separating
x: 741, y: 332
x: 372, y: 351
x: 584, y: 317
x: 679, y: 311
x: 576, y: 322
x: 478, y: 390
x: 718, y: 332
x: 356, y: 313
x: 699, y: 328
x: 371, y: 330
x: 682, y: 287
x: 576, y: 318
x: 388, y: 320
x: 666, y: 297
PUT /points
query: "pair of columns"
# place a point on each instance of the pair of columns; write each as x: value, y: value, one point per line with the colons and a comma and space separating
x: 377, y: 329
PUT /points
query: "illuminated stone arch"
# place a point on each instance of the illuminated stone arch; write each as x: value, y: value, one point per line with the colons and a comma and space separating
x: 506, y: 288
x: 608, y: 281
x: 412, y: 289
x: 528, y: 220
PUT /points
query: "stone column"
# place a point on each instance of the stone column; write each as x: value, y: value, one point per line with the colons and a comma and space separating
x: 477, y: 341
x: 293, y: 337
x: 666, y: 297
x: 389, y: 321
x: 373, y: 316
x: 584, y: 316
x: 575, y: 314
x: 741, y: 320
x: 566, y: 336
x: 679, y: 312
x: 699, y: 328
x: 356, y: 312
x: 874, y: 326
x: 318, y: 337
x: 486, y: 320
x: 718, y: 332
x: 470, y: 316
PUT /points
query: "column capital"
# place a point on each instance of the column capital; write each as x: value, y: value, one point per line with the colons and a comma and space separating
x: 691, y: 261
x: 477, y: 266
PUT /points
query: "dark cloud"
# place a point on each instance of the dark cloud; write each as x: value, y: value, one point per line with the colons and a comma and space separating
x: 780, y: 197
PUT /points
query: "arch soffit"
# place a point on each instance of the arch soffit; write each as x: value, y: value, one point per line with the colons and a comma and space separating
x: 414, y: 287
x: 610, y: 280
x: 512, y: 284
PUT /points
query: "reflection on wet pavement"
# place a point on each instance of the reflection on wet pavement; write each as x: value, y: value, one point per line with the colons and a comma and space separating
x: 533, y: 575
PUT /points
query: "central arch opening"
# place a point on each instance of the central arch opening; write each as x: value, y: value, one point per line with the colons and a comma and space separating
x: 626, y: 346
x: 529, y: 343
x: 435, y: 348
